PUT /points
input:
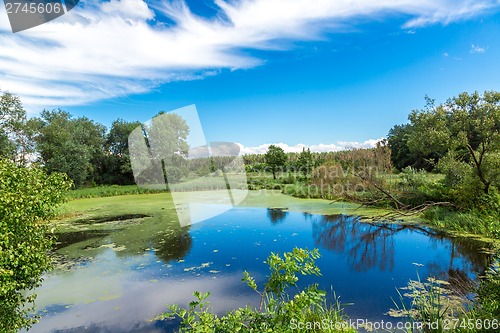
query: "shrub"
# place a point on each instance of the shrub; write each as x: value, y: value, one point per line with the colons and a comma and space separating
x: 278, y: 310
x: 433, y: 305
x: 489, y: 295
x: 28, y: 197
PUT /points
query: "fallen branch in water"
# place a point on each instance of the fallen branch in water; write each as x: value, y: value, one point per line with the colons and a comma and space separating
x: 415, y: 210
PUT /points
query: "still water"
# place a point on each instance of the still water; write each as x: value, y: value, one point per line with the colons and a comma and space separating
x: 117, y: 274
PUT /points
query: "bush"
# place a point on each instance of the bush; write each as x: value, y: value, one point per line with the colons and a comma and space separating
x: 489, y: 293
x: 28, y: 197
x: 473, y: 221
x: 278, y: 310
x: 461, y: 181
x: 111, y: 191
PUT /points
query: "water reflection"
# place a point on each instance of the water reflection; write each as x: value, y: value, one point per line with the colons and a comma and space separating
x: 65, y: 239
x: 128, y: 237
x: 368, y: 245
x: 136, y: 267
x: 277, y: 215
x: 173, y: 245
x: 371, y: 244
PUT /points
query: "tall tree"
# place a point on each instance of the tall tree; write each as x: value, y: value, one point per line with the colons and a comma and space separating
x: 275, y: 158
x: 115, y: 167
x: 401, y: 156
x: 159, y: 148
x: 467, y: 130
x: 72, y: 146
x: 305, y: 162
x: 15, y: 137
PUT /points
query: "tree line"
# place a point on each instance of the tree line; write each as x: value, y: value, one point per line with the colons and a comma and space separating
x: 77, y: 146
x: 458, y: 141
x: 458, y: 138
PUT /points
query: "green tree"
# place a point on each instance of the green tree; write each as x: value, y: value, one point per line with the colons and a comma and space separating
x: 68, y: 145
x: 305, y: 162
x: 275, y: 158
x: 402, y: 156
x: 15, y: 139
x: 466, y: 129
x: 28, y: 197
x: 115, y: 168
x: 159, y: 149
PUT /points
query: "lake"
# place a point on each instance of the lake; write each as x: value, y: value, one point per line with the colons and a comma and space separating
x: 117, y: 273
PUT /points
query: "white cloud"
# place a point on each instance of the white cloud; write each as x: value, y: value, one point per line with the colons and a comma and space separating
x: 477, y: 49
x: 338, y: 146
x: 448, y: 11
x: 106, y: 49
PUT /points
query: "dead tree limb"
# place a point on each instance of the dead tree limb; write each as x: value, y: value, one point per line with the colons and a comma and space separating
x: 399, y: 204
x: 402, y: 210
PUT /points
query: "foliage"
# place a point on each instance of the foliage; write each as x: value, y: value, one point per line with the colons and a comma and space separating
x: 275, y: 158
x: 466, y: 129
x: 416, y: 187
x: 433, y: 305
x: 401, y: 155
x: 461, y: 182
x: 489, y: 294
x: 305, y: 162
x: 174, y: 174
x: 69, y: 145
x: 114, y: 166
x: 15, y: 138
x: 160, y: 149
x: 278, y: 309
x: 109, y: 191
x: 262, y: 180
x: 28, y: 197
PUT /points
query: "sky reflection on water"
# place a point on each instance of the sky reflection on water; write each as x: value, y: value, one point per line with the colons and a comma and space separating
x: 130, y: 272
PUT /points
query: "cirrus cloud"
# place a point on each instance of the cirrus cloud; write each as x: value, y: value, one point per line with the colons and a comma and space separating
x: 114, y: 48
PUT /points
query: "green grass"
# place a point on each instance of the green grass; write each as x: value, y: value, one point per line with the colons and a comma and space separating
x: 109, y: 191
x: 469, y: 222
x: 95, y: 207
x: 155, y: 203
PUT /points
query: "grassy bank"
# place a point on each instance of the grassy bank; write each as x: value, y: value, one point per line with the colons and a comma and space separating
x: 155, y: 203
x: 301, y: 197
x: 473, y: 222
x: 467, y: 216
x: 108, y: 191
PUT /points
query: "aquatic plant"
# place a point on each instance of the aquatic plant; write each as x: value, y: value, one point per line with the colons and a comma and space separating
x: 279, y: 310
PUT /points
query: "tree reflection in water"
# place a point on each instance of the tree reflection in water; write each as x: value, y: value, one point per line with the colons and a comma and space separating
x: 277, y: 215
x: 368, y: 245
x: 173, y: 245
x: 371, y: 244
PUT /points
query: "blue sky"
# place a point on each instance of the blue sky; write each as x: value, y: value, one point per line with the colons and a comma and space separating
x: 259, y: 72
